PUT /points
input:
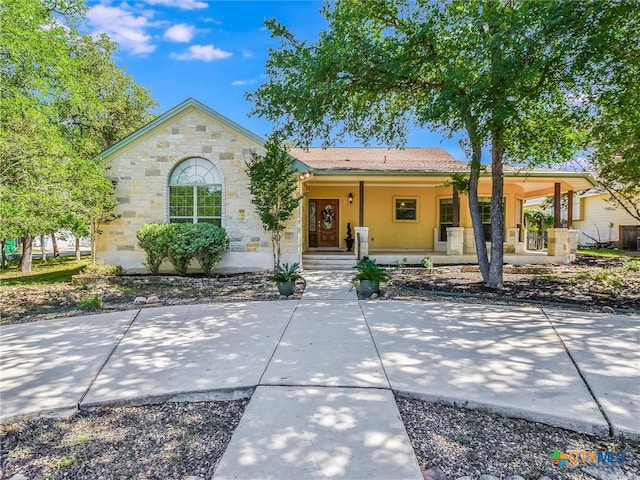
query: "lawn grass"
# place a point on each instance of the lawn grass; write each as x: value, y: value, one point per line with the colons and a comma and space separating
x: 56, y: 270
x: 604, y: 252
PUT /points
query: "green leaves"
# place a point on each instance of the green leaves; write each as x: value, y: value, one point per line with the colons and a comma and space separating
x: 63, y: 101
x: 180, y: 243
x: 273, y: 185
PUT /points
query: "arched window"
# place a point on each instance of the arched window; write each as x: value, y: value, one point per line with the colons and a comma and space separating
x: 195, y: 193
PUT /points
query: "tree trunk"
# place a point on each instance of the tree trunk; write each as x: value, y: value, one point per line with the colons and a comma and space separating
x: 497, y: 219
x: 474, y: 206
x: 95, y: 224
x: 275, y: 240
x: 77, y: 249
x: 54, y: 244
x: 4, y: 255
x: 27, y: 252
x: 43, y: 253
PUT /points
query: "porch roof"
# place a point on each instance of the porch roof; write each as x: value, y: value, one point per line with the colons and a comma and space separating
x: 422, y: 160
x: 430, y: 165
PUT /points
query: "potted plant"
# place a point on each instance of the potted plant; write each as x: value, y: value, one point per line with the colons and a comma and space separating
x: 349, y: 239
x: 370, y: 276
x: 285, y: 276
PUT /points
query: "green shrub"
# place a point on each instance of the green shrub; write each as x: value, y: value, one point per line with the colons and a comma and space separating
x: 179, y: 243
x: 368, y: 270
x: 91, y: 303
x: 101, y: 269
x: 286, y: 273
x: 210, y: 242
x: 152, y: 239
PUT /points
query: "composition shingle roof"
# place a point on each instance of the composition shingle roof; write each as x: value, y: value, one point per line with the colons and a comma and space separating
x: 380, y: 159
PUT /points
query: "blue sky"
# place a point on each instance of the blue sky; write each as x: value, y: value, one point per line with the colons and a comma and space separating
x: 213, y: 51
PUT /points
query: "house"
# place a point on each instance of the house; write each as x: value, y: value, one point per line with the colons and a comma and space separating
x: 600, y: 221
x: 188, y: 165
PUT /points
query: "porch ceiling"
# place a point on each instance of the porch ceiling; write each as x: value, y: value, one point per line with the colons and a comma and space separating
x: 533, y: 184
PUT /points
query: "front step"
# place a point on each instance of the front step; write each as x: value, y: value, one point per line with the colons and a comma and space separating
x: 328, y: 261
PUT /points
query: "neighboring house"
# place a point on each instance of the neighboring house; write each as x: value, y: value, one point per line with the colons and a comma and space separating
x: 600, y: 221
x: 188, y: 165
x: 597, y: 220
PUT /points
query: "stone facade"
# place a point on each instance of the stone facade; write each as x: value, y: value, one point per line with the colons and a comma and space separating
x: 142, y: 168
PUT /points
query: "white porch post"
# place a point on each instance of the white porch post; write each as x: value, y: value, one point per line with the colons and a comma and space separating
x: 362, y: 242
x: 469, y: 241
x: 455, y: 239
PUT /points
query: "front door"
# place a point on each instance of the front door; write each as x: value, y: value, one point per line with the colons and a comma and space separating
x: 324, y: 231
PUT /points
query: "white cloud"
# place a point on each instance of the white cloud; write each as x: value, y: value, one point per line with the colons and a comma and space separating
x: 123, y: 27
x: 180, y: 33
x: 206, y: 53
x: 182, y: 4
x: 240, y: 83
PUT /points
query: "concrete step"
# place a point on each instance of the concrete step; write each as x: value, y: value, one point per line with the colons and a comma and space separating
x: 328, y: 262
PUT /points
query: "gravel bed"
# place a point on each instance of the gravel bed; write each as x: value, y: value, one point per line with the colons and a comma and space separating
x: 186, y: 441
x: 172, y: 440
x: 464, y: 442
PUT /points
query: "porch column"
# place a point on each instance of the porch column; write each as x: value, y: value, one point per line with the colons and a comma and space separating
x: 511, y: 241
x: 469, y: 241
x: 362, y: 242
x: 456, y: 208
x: 570, y: 209
x: 558, y: 242
x: 361, y: 205
x: 557, y: 219
x: 455, y: 238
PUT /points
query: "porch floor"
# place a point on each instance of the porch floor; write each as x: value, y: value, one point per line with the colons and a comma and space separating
x: 415, y: 257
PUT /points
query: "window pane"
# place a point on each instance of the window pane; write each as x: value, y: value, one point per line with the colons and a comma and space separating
x: 195, y: 171
x: 446, y: 210
x: 406, y: 209
x: 209, y: 201
x: 181, y: 202
x: 214, y: 221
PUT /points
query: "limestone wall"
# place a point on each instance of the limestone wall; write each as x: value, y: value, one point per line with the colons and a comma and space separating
x: 142, y: 171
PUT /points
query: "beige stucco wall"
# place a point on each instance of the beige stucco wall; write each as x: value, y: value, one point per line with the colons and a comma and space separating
x: 142, y: 171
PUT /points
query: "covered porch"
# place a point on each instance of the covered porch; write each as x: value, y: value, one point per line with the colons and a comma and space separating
x: 400, y: 206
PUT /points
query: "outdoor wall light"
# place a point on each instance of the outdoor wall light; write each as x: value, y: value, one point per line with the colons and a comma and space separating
x: 350, y: 198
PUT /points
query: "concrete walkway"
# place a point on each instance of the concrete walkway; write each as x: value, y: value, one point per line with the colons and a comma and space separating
x: 324, y: 369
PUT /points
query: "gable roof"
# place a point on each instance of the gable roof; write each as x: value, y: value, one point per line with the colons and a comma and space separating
x: 177, y: 110
x: 419, y: 160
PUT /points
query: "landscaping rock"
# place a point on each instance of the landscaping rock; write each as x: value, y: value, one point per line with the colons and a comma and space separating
x: 140, y: 301
x: 434, y: 473
x: 605, y: 472
x: 152, y: 299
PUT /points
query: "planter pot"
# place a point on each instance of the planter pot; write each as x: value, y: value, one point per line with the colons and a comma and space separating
x: 368, y: 287
x: 286, y: 288
x: 349, y: 242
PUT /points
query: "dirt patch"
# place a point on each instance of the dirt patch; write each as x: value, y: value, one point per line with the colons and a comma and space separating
x: 173, y: 440
x: 592, y: 283
x: 589, y: 283
x: 34, y: 303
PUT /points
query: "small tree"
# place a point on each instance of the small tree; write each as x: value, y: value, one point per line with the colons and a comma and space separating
x: 273, y: 185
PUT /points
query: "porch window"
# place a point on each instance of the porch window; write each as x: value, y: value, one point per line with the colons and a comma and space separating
x: 406, y: 209
x: 485, y: 215
x: 446, y: 217
x: 195, y: 193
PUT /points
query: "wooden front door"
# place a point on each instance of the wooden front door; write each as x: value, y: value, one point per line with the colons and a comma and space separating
x: 323, y: 225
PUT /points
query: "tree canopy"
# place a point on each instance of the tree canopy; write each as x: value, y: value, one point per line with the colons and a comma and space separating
x: 63, y: 101
x: 499, y: 72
